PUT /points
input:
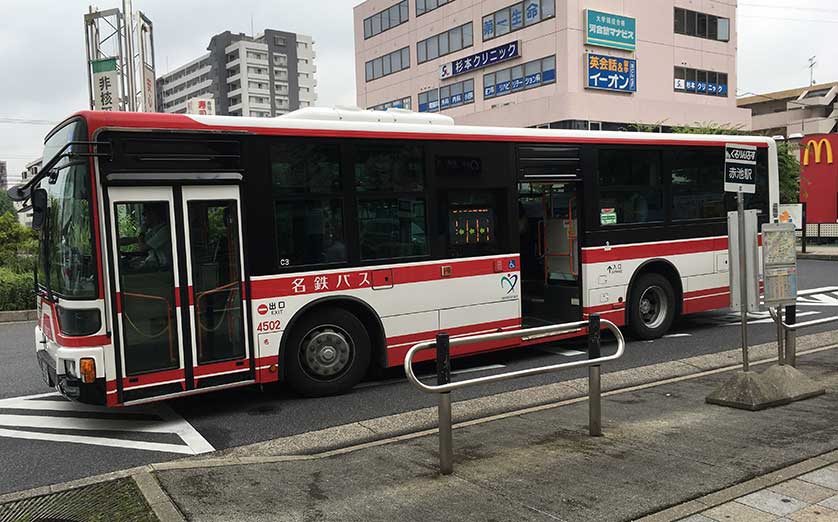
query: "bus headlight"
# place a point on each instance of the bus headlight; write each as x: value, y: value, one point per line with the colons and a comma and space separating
x: 87, y: 369
x: 70, y: 367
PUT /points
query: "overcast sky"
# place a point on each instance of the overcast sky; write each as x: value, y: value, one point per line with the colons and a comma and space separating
x: 42, y: 55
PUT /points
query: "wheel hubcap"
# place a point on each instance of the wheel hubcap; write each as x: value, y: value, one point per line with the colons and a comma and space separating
x: 653, y: 307
x: 326, y: 352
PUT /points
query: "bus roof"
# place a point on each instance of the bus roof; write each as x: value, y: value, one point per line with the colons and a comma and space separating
x: 400, y: 124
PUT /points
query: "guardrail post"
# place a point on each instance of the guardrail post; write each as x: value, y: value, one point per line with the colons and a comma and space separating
x: 594, y: 378
x: 791, y: 336
x: 443, y: 376
x: 805, y: 226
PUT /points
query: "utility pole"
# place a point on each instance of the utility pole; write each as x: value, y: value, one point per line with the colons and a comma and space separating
x: 812, y: 63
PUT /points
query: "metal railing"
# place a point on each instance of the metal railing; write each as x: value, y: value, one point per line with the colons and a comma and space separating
x: 444, y: 386
x: 787, y: 329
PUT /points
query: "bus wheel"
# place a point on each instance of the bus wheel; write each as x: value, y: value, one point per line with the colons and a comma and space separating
x: 327, y: 353
x: 651, y: 306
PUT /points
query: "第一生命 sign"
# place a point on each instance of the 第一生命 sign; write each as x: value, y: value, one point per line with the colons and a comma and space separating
x: 480, y: 60
x: 610, y: 30
x: 611, y: 73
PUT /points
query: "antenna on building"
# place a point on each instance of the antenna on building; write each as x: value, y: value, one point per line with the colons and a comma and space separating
x: 812, y: 63
x: 252, y: 32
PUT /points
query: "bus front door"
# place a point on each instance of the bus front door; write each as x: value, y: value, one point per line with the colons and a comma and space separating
x: 549, y: 225
x: 180, y: 314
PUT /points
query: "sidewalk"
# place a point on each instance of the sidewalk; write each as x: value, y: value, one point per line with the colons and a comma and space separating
x: 821, y: 252
x: 666, y: 455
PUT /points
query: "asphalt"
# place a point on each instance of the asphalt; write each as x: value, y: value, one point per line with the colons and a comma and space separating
x: 253, y: 415
x: 519, y: 455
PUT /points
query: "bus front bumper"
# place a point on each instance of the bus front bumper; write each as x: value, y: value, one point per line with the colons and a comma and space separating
x: 69, y: 386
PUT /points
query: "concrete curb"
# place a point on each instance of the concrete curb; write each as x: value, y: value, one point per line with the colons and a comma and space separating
x: 726, y: 495
x: 163, y: 507
x: 18, y: 316
x: 818, y: 257
x: 410, y: 425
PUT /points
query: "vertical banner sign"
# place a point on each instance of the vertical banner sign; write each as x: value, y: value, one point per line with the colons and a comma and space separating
x: 105, y: 84
x: 610, y: 30
x: 611, y: 73
x: 740, y: 168
x: 149, y: 94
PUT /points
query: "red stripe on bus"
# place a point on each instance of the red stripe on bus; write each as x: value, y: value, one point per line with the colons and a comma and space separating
x: 599, y: 309
x: 151, y: 121
x: 707, y: 291
x: 86, y: 341
x: 662, y: 249
x: 146, y: 379
x: 460, y: 330
x: 284, y: 286
x: 708, y: 302
x: 221, y: 367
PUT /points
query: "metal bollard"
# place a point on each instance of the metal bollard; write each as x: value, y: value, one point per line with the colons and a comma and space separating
x: 791, y: 336
x: 594, y: 378
x: 443, y: 376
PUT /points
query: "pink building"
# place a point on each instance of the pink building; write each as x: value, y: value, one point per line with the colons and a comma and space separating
x: 580, y: 64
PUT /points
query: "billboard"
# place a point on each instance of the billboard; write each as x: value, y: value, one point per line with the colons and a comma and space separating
x: 610, y: 30
x: 611, y: 73
x: 201, y: 106
x: 105, y: 84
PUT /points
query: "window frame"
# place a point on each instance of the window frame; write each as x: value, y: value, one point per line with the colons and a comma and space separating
x: 384, y: 19
x: 524, y: 24
x: 434, y: 42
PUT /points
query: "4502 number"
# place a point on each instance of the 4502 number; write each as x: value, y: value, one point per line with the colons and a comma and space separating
x: 268, y: 326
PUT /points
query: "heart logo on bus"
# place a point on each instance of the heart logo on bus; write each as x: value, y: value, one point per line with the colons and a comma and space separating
x: 511, y: 280
x: 263, y: 309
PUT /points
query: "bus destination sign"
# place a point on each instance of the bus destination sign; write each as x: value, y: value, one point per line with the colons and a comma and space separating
x: 740, y: 168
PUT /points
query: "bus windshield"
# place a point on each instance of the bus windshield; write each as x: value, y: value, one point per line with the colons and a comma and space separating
x: 67, y: 265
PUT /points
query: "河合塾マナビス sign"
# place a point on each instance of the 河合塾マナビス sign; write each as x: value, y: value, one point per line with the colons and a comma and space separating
x: 610, y: 30
x: 740, y: 168
x: 480, y: 60
x: 611, y: 73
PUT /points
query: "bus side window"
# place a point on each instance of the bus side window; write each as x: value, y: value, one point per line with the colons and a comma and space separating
x: 630, y: 186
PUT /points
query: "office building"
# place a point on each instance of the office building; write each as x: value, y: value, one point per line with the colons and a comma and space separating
x: 794, y: 113
x: 267, y: 75
x: 4, y: 176
x: 586, y: 64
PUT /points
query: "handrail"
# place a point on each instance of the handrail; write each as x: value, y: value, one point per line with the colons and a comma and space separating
x: 497, y: 336
x: 797, y: 326
x: 444, y: 387
x: 786, y: 333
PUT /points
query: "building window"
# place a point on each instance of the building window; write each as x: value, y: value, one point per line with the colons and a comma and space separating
x: 387, y: 19
x: 520, y: 77
x: 695, y: 81
x: 403, y: 103
x: 701, y: 25
x: 281, y: 60
x: 426, y: 6
x: 280, y: 41
x: 388, y: 64
x: 517, y: 16
x: 447, y: 96
x: 441, y: 44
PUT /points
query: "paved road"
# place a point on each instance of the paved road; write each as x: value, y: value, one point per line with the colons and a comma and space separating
x: 116, y: 439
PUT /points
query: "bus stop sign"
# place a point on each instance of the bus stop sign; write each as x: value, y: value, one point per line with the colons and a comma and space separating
x: 740, y: 168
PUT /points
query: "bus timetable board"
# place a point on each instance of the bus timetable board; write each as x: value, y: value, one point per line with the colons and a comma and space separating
x: 740, y: 168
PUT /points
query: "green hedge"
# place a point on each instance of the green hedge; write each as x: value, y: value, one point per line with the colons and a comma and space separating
x: 16, y: 291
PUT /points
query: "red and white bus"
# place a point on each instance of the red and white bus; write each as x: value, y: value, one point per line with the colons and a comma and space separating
x: 183, y: 254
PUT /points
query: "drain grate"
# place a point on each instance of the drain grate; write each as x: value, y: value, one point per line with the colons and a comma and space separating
x: 118, y: 500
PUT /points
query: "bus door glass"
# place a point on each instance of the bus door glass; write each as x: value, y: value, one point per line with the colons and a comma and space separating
x: 549, y: 225
x: 178, y: 289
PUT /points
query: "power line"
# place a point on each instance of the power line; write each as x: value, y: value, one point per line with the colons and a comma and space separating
x: 785, y: 19
x: 27, y: 121
x: 786, y: 7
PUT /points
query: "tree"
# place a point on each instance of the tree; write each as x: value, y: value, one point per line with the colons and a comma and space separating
x: 18, y: 245
x: 789, y: 173
x: 6, y: 204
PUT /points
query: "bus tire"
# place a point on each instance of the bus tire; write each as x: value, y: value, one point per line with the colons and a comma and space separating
x: 328, y: 353
x: 651, y: 306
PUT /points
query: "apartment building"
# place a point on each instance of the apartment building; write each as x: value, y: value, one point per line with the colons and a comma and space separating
x: 263, y: 76
x: 581, y: 64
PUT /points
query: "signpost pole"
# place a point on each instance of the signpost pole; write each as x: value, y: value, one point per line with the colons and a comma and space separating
x: 743, y: 277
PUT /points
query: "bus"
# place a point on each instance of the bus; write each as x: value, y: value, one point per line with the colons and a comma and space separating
x: 182, y: 254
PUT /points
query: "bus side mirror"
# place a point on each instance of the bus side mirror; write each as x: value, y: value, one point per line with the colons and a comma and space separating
x: 39, y: 208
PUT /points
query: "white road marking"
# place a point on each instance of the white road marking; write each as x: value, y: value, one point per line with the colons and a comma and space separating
x: 672, y: 336
x: 478, y: 369
x: 163, y: 420
x: 566, y: 352
x: 767, y: 320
